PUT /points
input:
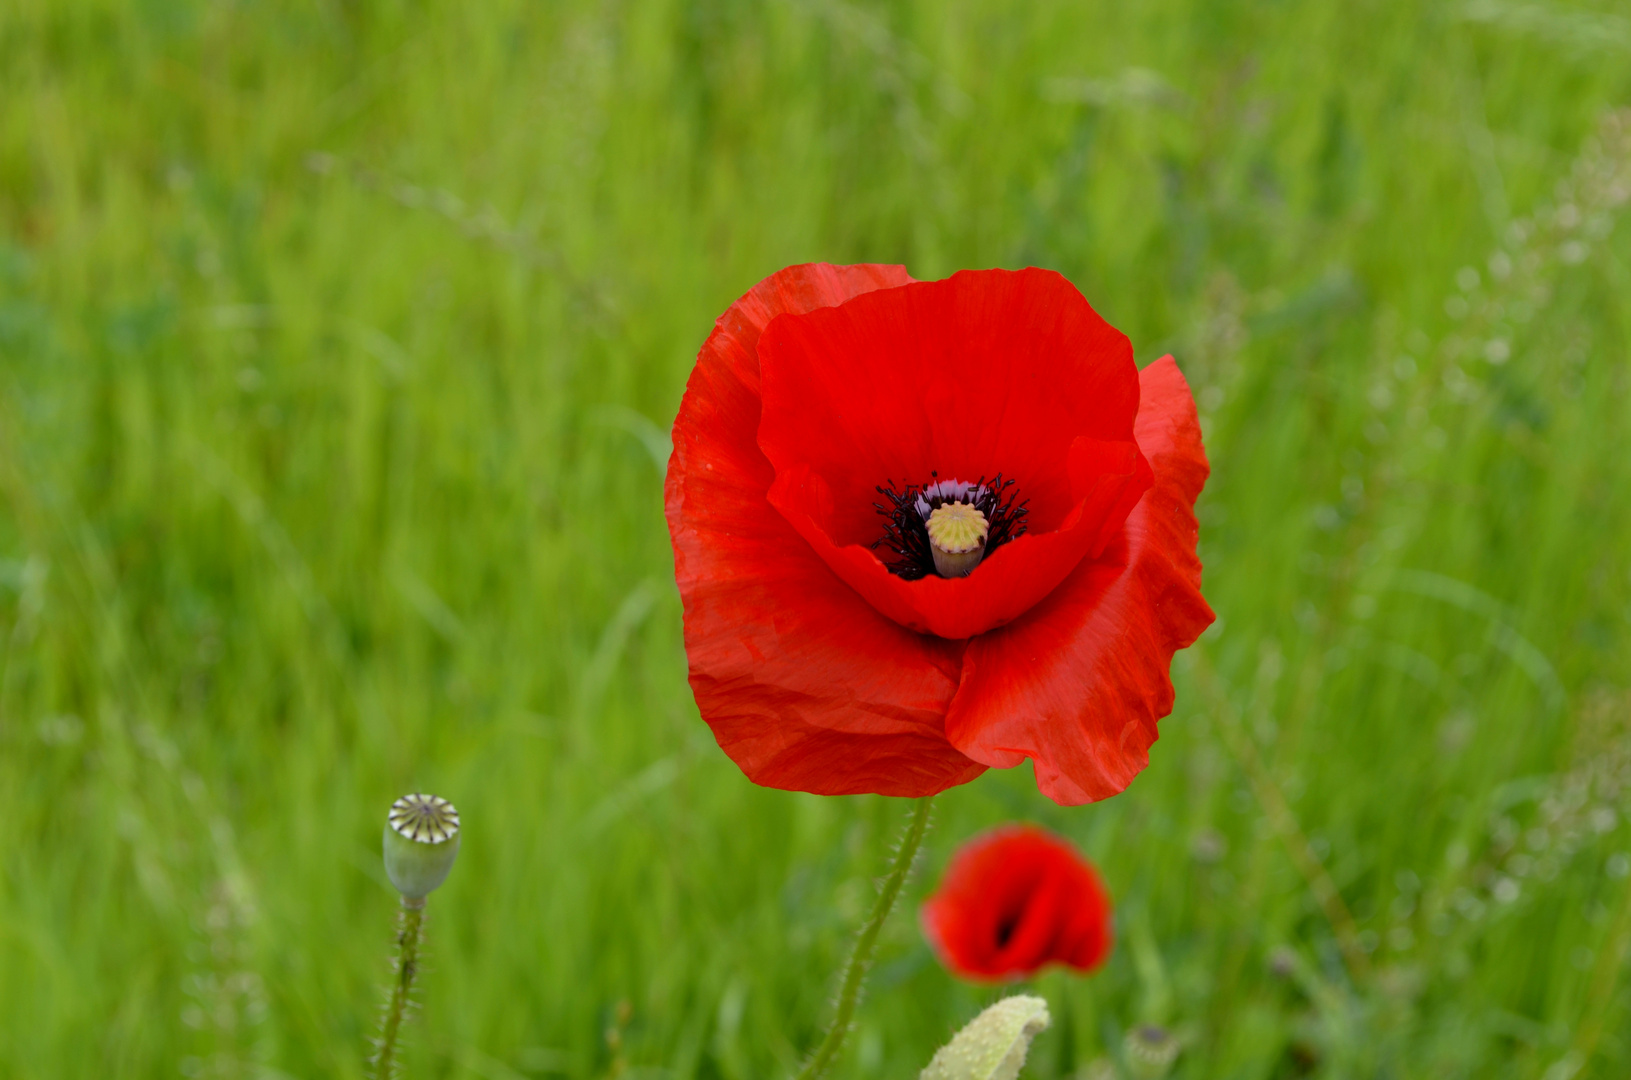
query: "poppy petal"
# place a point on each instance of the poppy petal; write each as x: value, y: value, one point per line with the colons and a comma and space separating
x: 804, y: 684
x: 1014, y: 900
x: 1078, y: 684
x: 986, y: 372
x: 1045, y: 916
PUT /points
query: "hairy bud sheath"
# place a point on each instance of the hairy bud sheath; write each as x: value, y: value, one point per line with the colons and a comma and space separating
x: 993, y: 1045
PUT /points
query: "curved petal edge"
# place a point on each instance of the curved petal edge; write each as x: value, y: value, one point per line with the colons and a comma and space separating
x: 1078, y: 684
x: 804, y: 684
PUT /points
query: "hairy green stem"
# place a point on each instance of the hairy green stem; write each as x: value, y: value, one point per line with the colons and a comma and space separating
x: 407, y: 965
x: 849, y: 994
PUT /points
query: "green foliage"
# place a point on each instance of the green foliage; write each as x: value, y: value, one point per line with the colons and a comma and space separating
x: 338, y: 341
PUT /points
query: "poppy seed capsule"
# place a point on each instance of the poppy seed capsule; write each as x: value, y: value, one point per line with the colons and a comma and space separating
x: 421, y: 841
x: 1150, y: 1051
x: 957, y: 533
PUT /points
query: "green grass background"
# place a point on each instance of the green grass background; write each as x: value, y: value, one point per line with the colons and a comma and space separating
x: 339, y: 340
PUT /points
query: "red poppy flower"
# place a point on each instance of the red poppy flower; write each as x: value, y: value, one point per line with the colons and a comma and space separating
x: 923, y: 528
x: 1015, y: 900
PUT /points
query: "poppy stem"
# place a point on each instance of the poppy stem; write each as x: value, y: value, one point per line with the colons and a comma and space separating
x: 849, y: 994
x: 407, y: 965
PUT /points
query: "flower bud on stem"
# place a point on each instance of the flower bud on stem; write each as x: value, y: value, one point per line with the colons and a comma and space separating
x: 849, y: 994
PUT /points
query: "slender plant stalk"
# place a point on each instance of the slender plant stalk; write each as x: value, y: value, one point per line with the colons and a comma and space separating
x: 407, y: 965
x: 1284, y: 820
x: 849, y: 994
x: 1601, y: 995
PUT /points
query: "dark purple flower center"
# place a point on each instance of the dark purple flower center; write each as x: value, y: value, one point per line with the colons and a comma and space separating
x: 906, y: 521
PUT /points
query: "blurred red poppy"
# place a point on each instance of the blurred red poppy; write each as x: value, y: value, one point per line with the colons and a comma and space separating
x: 923, y: 528
x: 1015, y: 900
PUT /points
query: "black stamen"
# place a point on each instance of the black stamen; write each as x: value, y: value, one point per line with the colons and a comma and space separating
x: 906, y: 531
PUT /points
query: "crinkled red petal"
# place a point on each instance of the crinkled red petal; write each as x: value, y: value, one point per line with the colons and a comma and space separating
x: 803, y: 683
x: 988, y: 371
x: 1078, y: 683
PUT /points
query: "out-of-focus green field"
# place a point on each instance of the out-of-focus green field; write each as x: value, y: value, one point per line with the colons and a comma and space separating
x: 339, y: 341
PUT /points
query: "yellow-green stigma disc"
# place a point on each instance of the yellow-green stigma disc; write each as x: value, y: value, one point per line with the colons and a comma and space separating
x: 957, y: 533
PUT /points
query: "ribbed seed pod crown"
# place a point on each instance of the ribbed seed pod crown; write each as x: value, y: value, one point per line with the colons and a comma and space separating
x: 421, y: 841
